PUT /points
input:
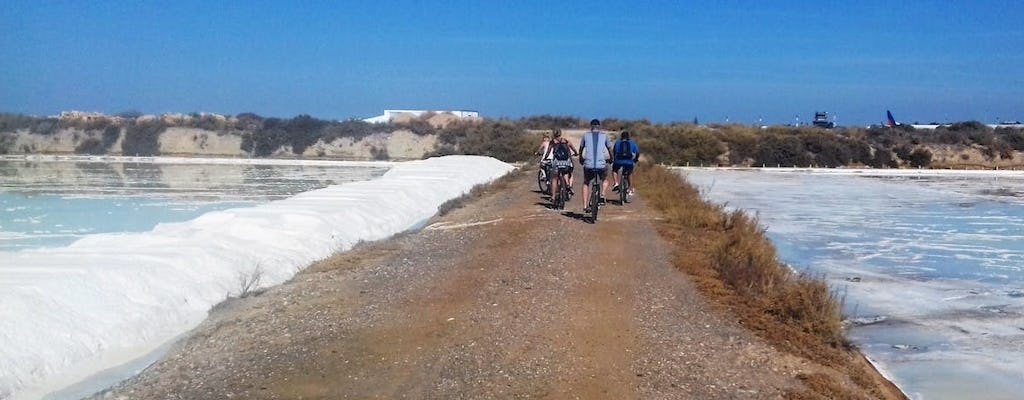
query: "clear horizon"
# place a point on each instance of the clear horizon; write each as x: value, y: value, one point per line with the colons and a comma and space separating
x: 737, y: 61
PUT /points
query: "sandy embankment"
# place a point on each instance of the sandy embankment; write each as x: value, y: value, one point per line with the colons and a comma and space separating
x: 398, y: 145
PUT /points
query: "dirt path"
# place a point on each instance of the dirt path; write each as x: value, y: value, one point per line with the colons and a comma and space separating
x: 502, y: 298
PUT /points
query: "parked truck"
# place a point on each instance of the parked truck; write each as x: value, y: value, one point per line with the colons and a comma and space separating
x: 821, y: 120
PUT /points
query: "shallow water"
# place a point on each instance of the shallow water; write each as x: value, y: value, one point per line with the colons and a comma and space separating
x: 53, y: 203
x: 937, y: 257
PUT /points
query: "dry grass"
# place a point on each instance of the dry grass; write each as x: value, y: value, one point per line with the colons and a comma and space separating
x: 735, y: 265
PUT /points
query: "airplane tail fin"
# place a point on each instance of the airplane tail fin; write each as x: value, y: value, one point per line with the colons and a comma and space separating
x: 892, y: 121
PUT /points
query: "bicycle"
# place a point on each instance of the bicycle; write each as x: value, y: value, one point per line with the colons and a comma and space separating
x: 624, y: 188
x: 595, y: 196
x: 558, y: 199
x: 544, y: 177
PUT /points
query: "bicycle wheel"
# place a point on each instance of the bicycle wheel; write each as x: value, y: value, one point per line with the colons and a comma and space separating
x: 543, y: 183
x: 623, y: 186
x: 563, y: 193
x: 624, y: 190
x: 595, y: 198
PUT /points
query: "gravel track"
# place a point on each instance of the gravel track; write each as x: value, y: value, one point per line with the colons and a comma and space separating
x: 501, y: 298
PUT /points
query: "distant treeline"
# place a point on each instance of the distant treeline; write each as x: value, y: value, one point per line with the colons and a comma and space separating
x: 788, y: 146
x: 516, y: 139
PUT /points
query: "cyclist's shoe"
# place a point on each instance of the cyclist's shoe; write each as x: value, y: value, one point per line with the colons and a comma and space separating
x: 631, y: 192
x: 586, y: 210
x: 601, y: 201
x: 571, y: 192
x: 615, y: 187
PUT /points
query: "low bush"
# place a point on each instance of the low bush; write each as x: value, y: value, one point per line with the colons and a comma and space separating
x: 91, y: 146
x: 6, y: 142
x: 355, y: 129
x: 677, y: 144
x: 142, y: 138
x: 501, y: 139
x: 920, y: 158
x: 38, y: 125
x: 379, y: 153
x: 549, y: 122
x: 420, y: 126
x: 781, y: 150
x: 110, y: 136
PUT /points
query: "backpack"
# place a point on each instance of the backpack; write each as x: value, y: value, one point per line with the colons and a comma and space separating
x: 561, y: 151
x: 624, y: 150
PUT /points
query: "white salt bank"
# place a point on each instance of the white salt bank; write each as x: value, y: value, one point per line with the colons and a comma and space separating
x: 67, y: 313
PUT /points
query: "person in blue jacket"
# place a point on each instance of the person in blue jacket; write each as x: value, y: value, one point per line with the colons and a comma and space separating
x: 626, y: 154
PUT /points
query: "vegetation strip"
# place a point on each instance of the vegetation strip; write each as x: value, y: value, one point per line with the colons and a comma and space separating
x: 962, y: 145
x: 735, y: 265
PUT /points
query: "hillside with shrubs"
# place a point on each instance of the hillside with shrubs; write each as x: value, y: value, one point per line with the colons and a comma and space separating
x: 960, y: 145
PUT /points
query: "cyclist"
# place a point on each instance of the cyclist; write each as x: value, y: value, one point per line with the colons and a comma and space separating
x: 545, y: 160
x: 543, y: 149
x: 626, y: 155
x: 561, y: 160
x: 595, y: 150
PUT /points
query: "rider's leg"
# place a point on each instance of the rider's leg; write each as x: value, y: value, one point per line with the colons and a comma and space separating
x: 554, y: 186
x: 604, y: 182
x: 568, y: 180
x: 615, y: 176
x: 586, y: 187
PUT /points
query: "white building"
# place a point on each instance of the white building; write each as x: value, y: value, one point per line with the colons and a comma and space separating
x: 391, y: 114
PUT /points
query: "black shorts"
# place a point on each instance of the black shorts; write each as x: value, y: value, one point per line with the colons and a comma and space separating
x: 565, y: 170
x: 627, y: 169
x: 589, y: 173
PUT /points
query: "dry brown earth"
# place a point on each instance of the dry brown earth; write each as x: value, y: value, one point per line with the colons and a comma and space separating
x: 501, y: 298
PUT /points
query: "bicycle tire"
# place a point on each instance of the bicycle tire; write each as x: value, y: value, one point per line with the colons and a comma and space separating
x: 624, y: 190
x: 595, y: 197
x: 623, y: 186
x: 563, y: 192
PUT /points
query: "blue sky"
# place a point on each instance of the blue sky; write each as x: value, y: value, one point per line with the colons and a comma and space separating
x: 662, y: 60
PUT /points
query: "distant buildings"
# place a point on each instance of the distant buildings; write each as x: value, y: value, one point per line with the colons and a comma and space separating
x: 391, y: 115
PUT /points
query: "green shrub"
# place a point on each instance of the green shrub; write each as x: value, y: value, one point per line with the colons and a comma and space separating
x: 677, y: 144
x: 828, y: 149
x: 742, y: 143
x: 548, y: 122
x: 379, y: 154
x: 210, y: 123
x: 920, y: 158
x: 1014, y: 138
x: 248, y: 122
x: 143, y: 138
x: 268, y: 139
x: 355, y: 129
x: 883, y: 158
x: 90, y: 146
x: 6, y: 142
x: 501, y: 139
x: 303, y: 131
x: 782, y: 151
x: 15, y: 122
x: 902, y: 151
x: 129, y: 114
x: 110, y: 136
x: 39, y: 125
x: 420, y: 126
